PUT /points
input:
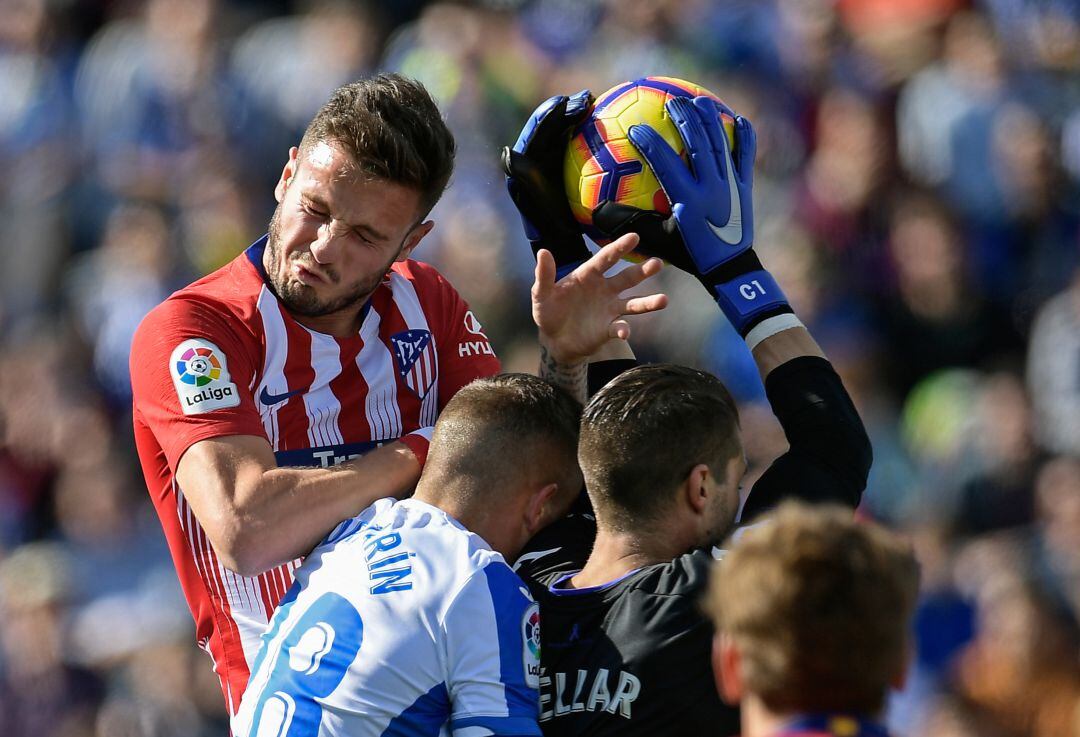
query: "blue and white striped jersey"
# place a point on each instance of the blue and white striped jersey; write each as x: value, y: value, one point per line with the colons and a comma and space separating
x: 401, y: 622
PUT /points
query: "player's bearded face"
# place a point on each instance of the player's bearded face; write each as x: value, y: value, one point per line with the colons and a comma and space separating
x: 304, y: 299
x: 724, y: 508
x: 335, y: 233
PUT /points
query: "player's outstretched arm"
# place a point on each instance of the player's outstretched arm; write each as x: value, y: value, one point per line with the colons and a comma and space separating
x: 710, y: 235
x: 710, y: 232
x: 258, y: 515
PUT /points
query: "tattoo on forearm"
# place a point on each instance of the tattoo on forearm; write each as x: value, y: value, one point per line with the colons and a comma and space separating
x: 573, y: 377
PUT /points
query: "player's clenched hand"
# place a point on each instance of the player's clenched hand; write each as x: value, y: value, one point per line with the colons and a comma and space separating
x: 577, y: 314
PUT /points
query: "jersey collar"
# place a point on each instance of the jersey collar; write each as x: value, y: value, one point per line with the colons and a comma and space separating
x: 254, y: 252
x: 559, y: 589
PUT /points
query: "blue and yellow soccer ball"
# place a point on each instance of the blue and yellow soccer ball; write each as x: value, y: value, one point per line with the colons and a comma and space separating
x: 602, y: 164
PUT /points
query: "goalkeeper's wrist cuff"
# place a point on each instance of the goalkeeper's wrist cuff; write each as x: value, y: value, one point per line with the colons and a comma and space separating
x: 746, y: 293
x: 769, y: 327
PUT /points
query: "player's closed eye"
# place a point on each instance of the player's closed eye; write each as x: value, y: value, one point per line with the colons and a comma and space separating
x: 314, y: 212
x: 363, y: 238
x: 320, y: 214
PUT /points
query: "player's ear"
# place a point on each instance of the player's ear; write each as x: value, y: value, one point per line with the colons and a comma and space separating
x: 727, y: 669
x: 412, y: 240
x: 696, y: 487
x: 287, y: 173
x: 540, y: 510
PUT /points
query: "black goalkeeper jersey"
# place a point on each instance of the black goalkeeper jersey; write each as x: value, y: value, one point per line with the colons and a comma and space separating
x: 633, y: 657
x: 628, y: 658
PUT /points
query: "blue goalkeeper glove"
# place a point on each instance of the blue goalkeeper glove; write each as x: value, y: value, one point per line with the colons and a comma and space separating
x: 711, y: 227
x: 534, y: 177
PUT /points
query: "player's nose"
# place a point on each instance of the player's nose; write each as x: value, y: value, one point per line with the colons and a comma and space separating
x: 327, y: 244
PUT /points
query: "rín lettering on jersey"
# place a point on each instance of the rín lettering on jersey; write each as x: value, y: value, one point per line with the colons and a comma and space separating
x: 388, y: 567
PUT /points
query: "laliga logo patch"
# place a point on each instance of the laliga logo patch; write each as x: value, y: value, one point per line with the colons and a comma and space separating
x: 414, y: 353
x: 201, y: 377
x: 198, y: 366
x: 530, y: 651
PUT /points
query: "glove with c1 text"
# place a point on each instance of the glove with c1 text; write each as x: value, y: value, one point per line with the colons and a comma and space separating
x: 711, y: 227
x: 534, y: 177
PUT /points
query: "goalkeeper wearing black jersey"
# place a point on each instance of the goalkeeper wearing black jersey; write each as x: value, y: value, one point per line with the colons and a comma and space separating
x: 625, y: 643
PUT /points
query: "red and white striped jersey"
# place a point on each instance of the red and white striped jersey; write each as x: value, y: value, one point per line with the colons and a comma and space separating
x: 224, y: 357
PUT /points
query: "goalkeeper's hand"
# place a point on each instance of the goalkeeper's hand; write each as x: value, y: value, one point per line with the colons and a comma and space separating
x: 534, y: 177
x: 711, y: 227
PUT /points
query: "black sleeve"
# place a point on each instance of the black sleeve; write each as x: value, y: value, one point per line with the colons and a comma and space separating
x: 601, y: 372
x: 830, y: 454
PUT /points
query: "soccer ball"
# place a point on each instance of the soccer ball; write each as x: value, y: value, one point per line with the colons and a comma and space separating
x: 602, y: 164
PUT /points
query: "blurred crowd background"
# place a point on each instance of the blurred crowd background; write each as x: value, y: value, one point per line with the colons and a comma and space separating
x: 916, y: 194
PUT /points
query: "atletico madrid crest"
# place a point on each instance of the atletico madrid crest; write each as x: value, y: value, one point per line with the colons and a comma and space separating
x: 414, y: 352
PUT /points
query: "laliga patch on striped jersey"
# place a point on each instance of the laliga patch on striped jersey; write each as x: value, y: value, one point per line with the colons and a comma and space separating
x: 200, y: 374
x: 414, y: 351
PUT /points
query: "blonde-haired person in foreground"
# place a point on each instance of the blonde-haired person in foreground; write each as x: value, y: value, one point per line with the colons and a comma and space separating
x: 813, y: 613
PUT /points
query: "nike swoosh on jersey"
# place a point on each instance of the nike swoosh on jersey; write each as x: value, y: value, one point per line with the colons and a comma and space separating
x: 732, y: 232
x: 267, y: 398
x: 525, y: 557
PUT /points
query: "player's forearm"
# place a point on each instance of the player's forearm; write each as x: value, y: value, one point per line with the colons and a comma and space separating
x: 782, y: 347
x: 583, y: 379
x: 818, y: 417
x: 571, y: 376
x: 288, y: 511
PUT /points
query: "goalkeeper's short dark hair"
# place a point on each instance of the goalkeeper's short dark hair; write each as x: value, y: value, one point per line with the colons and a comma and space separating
x: 644, y: 432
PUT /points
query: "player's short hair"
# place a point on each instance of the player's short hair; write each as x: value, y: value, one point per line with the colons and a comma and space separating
x: 392, y: 128
x: 498, y: 429
x: 818, y: 606
x: 644, y: 432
